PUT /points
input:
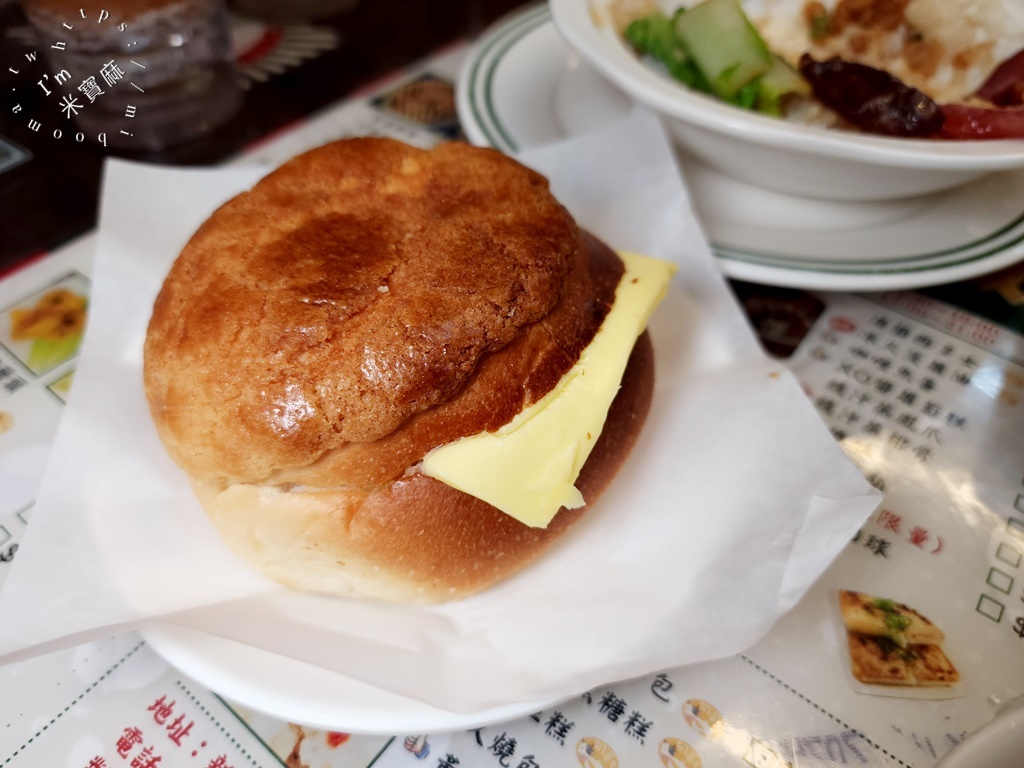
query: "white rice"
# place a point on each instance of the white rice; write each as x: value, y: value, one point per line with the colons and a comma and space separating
x: 983, y: 31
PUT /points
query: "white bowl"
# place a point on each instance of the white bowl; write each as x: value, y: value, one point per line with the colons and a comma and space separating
x: 777, y: 154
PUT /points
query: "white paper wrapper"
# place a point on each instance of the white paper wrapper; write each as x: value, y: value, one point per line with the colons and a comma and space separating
x: 733, y: 502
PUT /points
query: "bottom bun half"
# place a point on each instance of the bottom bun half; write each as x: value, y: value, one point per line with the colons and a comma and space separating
x: 413, y: 540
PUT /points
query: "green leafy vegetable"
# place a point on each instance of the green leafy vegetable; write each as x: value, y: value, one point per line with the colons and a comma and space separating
x: 896, y: 622
x: 777, y: 84
x: 724, y: 45
x: 713, y: 48
x: 747, y: 96
x: 655, y: 36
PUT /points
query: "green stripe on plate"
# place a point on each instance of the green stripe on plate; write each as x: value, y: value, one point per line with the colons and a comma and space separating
x: 499, y: 45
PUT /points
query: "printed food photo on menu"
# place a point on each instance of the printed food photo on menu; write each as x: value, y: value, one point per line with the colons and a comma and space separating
x: 892, y: 644
x: 46, y: 329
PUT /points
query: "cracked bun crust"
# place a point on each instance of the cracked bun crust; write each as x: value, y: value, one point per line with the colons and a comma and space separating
x: 363, y: 304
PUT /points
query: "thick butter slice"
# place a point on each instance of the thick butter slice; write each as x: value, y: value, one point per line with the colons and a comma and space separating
x: 528, y: 468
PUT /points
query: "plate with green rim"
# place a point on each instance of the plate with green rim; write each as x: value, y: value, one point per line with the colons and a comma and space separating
x: 522, y: 86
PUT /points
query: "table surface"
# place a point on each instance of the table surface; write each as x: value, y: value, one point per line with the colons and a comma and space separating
x: 924, y: 389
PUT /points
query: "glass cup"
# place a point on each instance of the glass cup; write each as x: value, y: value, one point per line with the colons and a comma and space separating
x: 142, y: 74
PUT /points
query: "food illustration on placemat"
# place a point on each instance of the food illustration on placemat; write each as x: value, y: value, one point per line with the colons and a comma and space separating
x: 676, y: 753
x: 703, y: 717
x: 892, y: 644
x: 591, y: 752
x: 46, y: 330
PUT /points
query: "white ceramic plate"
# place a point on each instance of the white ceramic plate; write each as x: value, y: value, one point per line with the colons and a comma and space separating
x: 522, y: 86
x: 301, y: 693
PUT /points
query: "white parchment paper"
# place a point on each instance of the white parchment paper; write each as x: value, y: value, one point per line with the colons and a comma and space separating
x: 733, y: 502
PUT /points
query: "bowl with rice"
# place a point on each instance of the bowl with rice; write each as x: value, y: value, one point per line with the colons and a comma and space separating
x: 850, y: 100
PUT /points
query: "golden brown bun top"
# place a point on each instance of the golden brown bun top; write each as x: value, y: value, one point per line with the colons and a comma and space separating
x: 356, y: 286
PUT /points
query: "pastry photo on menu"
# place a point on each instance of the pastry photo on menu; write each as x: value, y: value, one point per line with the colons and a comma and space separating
x: 893, y: 649
x: 45, y: 329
